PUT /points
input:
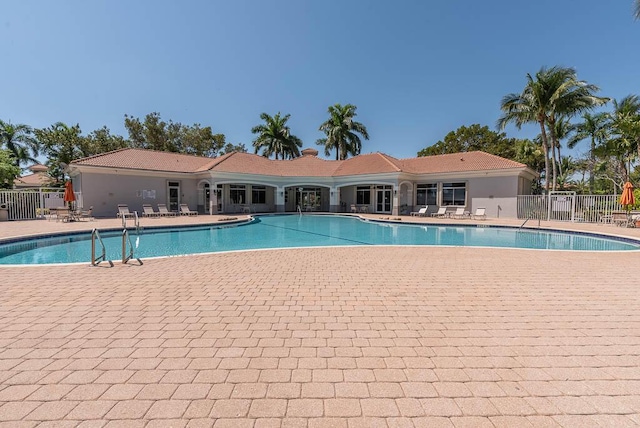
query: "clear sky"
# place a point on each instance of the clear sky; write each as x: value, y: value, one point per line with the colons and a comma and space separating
x: 416, y: 69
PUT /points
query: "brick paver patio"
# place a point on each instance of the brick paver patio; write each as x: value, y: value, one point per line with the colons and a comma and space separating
x: 336, y: 337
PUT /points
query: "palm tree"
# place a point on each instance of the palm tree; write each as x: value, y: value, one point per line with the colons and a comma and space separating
x: 19, y: 141
x: 553, y: 92
x: 636, y: 9
x: 342, y: 132
x: 596, y: 127
x: 275, y: 138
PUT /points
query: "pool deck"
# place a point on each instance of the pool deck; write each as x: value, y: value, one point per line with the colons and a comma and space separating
x: 330, y: 337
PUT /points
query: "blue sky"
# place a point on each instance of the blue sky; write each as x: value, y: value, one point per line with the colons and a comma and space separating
x: 415, y: 69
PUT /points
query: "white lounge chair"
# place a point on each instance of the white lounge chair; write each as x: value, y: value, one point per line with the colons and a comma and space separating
x: 442, y: 212
x: 354, y: 209
x: 184, y: 210
x: 147, y: 211
x: 163, y: 211
x: 460, y: 213
x: 123, y: 211
x: 480, y: 214
x: 422, y: 212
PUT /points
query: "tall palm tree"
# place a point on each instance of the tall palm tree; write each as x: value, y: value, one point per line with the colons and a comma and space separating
x: 596, y: 127
x: 553, y: 92
x: 275, y: 138
x: 342, y: 132
x: 626, y: 130
x: 18, y: 140
x: 636, y: 9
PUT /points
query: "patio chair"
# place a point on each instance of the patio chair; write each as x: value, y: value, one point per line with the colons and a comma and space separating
x: 480, y: 214
x: 354, y: 209
x: 164, y: 212
x: 184, y: 210
x: 82, y: 214
x: 460, y: 213
x: 147, y: 211
x: 422, y: 212
x: 123, y: 211
x: 442, y: 212
x: 621, y: 219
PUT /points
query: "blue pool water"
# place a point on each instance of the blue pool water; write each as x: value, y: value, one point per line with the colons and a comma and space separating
x: 282, y: 231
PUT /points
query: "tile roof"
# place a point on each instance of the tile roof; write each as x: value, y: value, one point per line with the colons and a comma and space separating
x: 308, y: 165
x: 36, y: 179
x: 149, y: 160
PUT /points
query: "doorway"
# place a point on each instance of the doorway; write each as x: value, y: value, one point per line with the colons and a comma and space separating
x: 174, y: 196
x: 383, y: 199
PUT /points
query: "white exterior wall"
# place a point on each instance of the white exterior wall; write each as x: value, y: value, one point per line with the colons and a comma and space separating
x: 105, y: 191
x: 496, y: 194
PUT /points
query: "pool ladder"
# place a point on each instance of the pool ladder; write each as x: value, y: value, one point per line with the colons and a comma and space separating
x: 95, y: 261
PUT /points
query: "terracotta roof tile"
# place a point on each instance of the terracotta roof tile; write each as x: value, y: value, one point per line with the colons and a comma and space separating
x: 150, y: 160
x: 303, y: 166
x: 458, y: 162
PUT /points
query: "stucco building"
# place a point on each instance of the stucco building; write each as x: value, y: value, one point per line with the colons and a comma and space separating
x: 244, y: 182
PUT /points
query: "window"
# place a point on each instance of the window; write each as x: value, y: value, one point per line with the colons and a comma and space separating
x: 454, y: 194
x: 363, y: 195
x: 427, y: 194
x: 237, y: 194
x: 258, y: 195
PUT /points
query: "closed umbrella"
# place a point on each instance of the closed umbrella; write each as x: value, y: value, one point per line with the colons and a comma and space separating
x: 69, y: 196
x: 627, y: 197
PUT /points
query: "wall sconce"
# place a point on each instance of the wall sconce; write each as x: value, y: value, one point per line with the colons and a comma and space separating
x: 332, y: 193
x: 395, y: 192
x: 281, y: 193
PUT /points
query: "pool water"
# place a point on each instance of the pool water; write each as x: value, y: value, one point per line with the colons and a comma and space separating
x: 285, y: 231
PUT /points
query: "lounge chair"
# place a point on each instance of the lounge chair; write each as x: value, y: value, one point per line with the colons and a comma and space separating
x: 460, y: 213
x: 164, y: 212
x: 184, y: 210
x: 442, y: 212
x: 422, y: 212
x: 123, y: 211
x: 354, y: 209
x: 480, y: 214
x: 147, y: 211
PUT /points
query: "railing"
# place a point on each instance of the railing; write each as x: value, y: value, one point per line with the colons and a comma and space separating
x: 126, y: 238
x: 299, y: 210
x: 95, y: 261
x: 34, y: 203
x: 567, y: 206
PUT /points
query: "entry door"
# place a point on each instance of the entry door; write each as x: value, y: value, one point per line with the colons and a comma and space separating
x: 207, y: 198
x: 383, y: 201
x: 174, y: 196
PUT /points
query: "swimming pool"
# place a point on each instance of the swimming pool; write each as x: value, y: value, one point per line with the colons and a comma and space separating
x: 286, y: 231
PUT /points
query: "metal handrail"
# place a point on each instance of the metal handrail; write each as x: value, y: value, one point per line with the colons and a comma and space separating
x: 299, y: 209
x: 95, y: 261
x: 125, y: 258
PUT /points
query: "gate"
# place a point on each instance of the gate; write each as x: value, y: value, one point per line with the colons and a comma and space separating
x: 561, y: 206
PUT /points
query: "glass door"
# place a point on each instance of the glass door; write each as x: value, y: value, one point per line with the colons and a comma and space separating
x: 383, y: 200
x: 174, y: 196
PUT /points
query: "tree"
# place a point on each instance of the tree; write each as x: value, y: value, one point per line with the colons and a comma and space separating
x: 19, y: 140
x: 274, y: 137
x: 228, y: 148
x: 553, y: 92
x: 8, y: 169
x: 636, y: 9
x: 102, y: 141
x: 61, y: 144
x: 342, y: 131
x: 595, y: 127
x: 473, y: 137
x: 155, y: 134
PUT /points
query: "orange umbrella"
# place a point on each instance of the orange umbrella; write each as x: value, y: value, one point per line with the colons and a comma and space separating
x: 627, y: 195
x: 69, y: 196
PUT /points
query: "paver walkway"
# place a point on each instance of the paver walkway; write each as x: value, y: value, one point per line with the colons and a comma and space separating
x: 337, y: 337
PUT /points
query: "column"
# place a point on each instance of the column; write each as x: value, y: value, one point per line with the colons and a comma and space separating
x: 334, y: 199
x: 280, y: 205
x: 394, y: 207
